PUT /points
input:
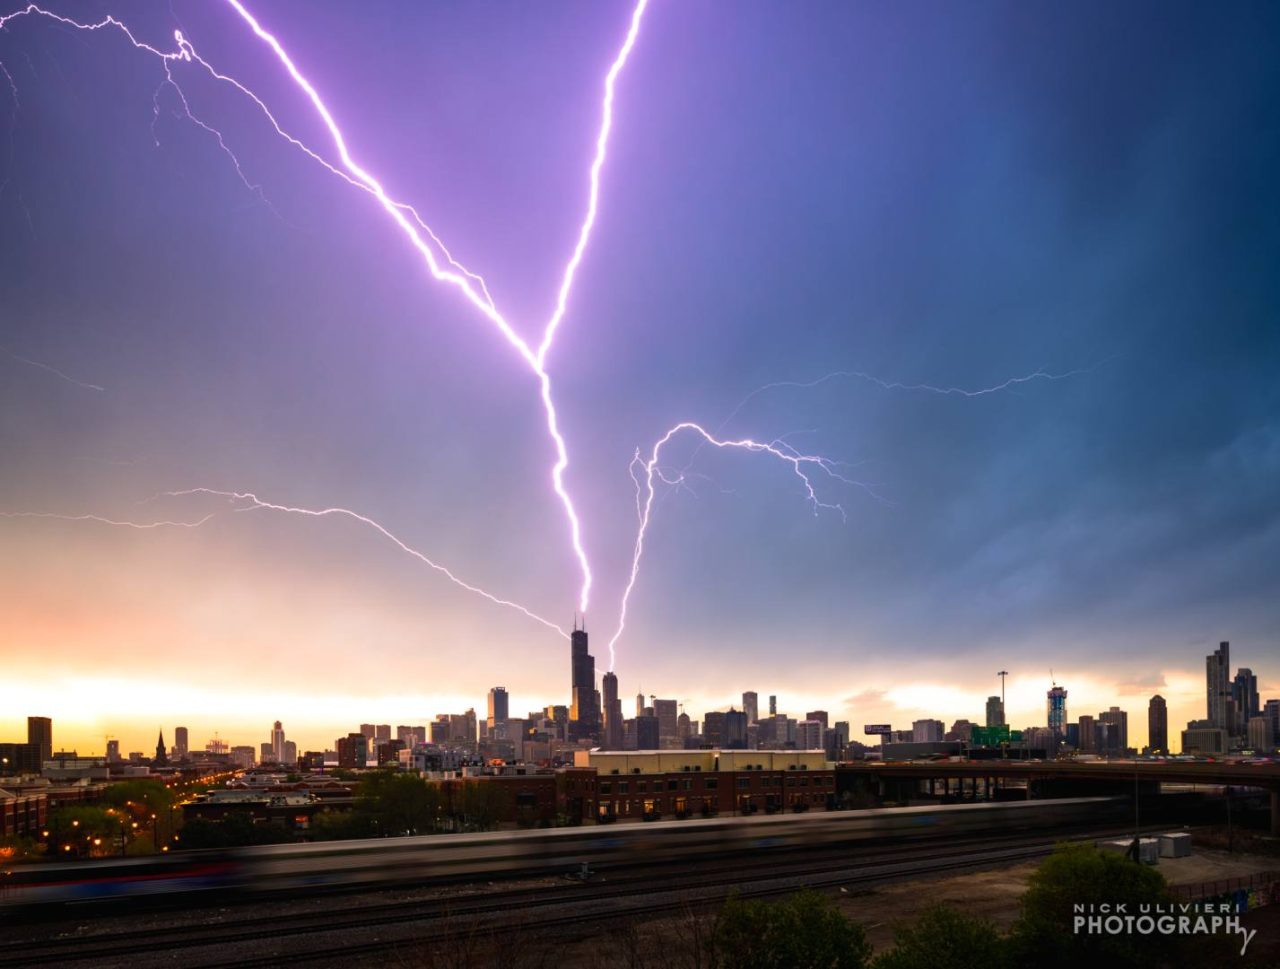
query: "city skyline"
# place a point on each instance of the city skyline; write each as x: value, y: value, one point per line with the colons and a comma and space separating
x: 1184, y: 694
x: 1054, y: 453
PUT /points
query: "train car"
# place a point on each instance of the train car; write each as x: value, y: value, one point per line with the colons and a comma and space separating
x: 119, y: 878
x: 553, y: 851
x: 455, y: 857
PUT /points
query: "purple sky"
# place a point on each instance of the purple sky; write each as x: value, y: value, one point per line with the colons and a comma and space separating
x: 932, y: 195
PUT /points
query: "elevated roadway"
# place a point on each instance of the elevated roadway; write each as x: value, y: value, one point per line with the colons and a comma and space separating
x: 1116, y: 774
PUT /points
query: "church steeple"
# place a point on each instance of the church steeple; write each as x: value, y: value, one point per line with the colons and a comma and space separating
x: 162, y: 758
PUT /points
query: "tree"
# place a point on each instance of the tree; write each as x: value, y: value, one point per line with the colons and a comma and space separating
x: 399, y: 803
x: 475, y: 805
x: 19, y: 848
x: 84, y: 831
x: 481, y: 805
x: 146, y: 808
x: 1082, y: 875
x: 236, y: 830
x: 803, y: 931
x: 943, y: 938
x: 333, y: 825
x: 151, y: 796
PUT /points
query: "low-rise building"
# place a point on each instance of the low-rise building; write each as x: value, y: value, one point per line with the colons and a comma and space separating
x: 22, y: 814
x: 1204, y: 740
x: 681, y: 783
x: 292, y: 810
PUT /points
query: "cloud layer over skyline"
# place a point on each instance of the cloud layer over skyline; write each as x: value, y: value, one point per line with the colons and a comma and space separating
x: 931, y: 195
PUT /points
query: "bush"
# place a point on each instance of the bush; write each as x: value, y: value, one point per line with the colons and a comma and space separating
x: 333, y: 825
x: 942, y: 938
x: 237, y: 830
x: 1083, y: 875
x: 804, y: 931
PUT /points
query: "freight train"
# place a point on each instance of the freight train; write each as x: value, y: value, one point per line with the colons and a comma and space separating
x: 416, y: 860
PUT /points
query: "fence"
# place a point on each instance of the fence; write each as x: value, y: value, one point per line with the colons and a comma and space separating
x: 1246, y: 892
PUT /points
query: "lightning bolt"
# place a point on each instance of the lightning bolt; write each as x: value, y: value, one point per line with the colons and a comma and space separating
x: 53, y: 370
x: 1004, y: 385
x: 406, y: 218
x: 534, y: 360
x: 645, y: 489
x: 102, y: 520
x: 802, y: 465
x: 443, y: 268
x: 244, y: 501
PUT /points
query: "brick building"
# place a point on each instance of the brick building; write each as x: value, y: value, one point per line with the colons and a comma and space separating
x: 687, y: 783
x: 22, y: 814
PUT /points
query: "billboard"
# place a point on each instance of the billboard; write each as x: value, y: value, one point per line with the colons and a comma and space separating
x: 877, y: 728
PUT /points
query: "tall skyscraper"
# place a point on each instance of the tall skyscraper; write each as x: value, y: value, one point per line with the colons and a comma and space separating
x: 926, y: 731
x: 1218, y: 687
x: 1258, y: 734
x: 646, y: 733
x: 1057, y: 714
x: 1088, y: 735
x: 353, y: 750
x: 113, y: 751
x: 735, y: 730
x: 1271, y: 710
x: 277, y: 743
x: 1158, y: 725
x: 773, y: 705
x: 1117, y: 721
x: 819, y: 715
x: 751, y: 707
x: 713, y: 728
x: 840, y: 729
x: 1244, y: 695
x: 366, y: 731
x: 584, y: 716
x: 666, y: 711
x: 612, y: 727
x: 382, y: 731
x: 499, y: 705
x: 995, y: 712
x: 180, y: 742
x: 809, y: 735
x: 40, y: 733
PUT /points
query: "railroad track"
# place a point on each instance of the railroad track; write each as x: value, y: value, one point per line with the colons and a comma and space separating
x: 575, y: 914
x: 639, y: 893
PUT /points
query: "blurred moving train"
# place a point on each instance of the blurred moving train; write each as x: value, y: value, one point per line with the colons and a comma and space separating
x: 415, y: 860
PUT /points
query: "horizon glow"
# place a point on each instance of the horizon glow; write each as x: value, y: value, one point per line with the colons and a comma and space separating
x: 738, y: 230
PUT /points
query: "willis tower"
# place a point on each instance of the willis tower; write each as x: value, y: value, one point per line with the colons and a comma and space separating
x: 584, y: 713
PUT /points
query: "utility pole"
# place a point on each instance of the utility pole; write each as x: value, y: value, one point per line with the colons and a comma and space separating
x: 1004, y: 746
